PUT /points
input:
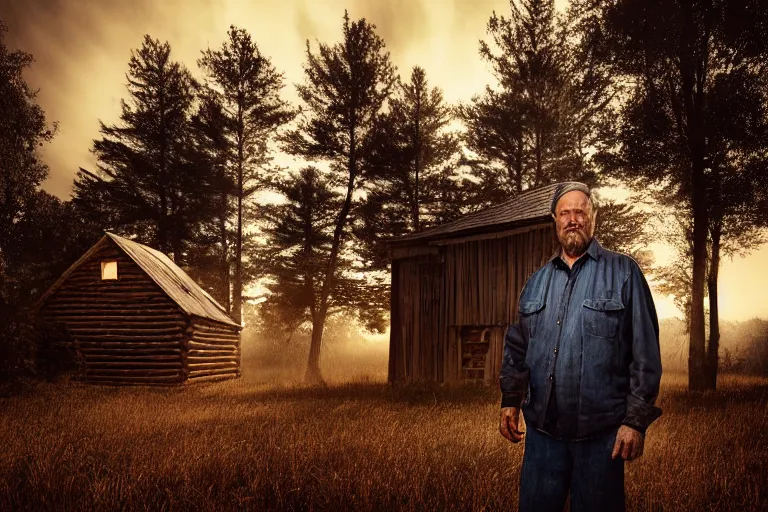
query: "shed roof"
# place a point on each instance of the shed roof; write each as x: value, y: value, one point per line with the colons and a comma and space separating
x: 181, y: 288
x: 533, y: 204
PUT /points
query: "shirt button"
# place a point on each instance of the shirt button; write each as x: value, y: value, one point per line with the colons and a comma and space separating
x: 555, y: 350
x: 558, y: 322
x: 551, y: 376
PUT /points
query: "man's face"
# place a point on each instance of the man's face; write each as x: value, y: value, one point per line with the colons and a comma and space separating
x: 573, y: 219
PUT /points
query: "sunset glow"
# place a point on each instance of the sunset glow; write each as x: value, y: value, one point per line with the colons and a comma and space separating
x: 81, y: 51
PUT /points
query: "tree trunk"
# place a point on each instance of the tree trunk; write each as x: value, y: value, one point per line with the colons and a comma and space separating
x: 237, y: 292
x: 176, y: 238
x: 539, y: 170
x: 313, y: 375
x: 714, y: 313
x: 693, y: 103
x: 417, y: 163
x: 697, y: 336
x: 318, y: 322
x: 415, y: 201
x: 519, y: 166
x: 177, y: 256
x: 163, y: 235
x: 237, y: 295
x: 224, y: 256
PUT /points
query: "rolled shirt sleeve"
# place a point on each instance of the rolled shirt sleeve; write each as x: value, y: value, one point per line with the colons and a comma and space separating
x: 514, y: 374
x: 645, y: 368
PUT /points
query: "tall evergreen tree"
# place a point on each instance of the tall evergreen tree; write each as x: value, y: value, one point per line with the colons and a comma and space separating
x: 495, y: 135
x: 537, y: 126
x: 23, y: 129
x: 346, y: 87
x: 413, y: 181
x: 299, y: 238
x: 209, y: 256
x: 418, y: 150
x: 247, y: 86
x: 39, y: 234
x: 146, y: 183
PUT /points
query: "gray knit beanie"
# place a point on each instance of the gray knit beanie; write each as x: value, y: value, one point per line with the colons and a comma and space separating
x: 564, y: 188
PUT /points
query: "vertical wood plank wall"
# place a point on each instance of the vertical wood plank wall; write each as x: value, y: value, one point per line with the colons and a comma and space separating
x: 471, y: 283
x: 415, y: 318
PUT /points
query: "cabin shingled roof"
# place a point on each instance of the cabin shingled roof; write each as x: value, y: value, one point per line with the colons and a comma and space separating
x: 526, y: 206
x: 181, y: 288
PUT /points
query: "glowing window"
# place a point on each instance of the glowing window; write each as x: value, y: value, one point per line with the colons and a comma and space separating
x: 108, y: 270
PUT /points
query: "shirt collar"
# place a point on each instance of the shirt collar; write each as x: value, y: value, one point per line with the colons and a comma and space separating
x: 594, y: 250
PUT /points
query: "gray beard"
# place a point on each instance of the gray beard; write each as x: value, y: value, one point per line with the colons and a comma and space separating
x: 574, y: 244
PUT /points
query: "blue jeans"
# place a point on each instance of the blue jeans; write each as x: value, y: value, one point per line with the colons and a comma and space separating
x: 552, y: 467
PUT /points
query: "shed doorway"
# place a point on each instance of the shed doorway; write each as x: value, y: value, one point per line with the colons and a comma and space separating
x: 481, y: 351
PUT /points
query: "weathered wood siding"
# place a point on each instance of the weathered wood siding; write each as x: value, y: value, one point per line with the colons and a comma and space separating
x: 416, y: 314
x: 214, y: 351
x: 471, y: 282
x: 127, y: 330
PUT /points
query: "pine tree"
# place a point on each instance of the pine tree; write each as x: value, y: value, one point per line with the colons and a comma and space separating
x: 421, y: 149
x: 247, y: 86
x: 692, y: 125
x: 209, y: 255
x: 23, y: 129
x: 40, y: 235
x: 549, y: 108
x: 299, y: 235
x: 147, y: 181
x: 414, y: 181
x: 346, y: 87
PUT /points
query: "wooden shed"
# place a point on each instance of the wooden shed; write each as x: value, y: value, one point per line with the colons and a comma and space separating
x: 134, y: 317
x: 455, y: 289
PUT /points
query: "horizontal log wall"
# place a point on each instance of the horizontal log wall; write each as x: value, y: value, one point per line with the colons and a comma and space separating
x: 213, y: 351
x: 127, y: 331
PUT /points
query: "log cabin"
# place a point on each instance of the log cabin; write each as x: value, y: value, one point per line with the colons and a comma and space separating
x: 130, y: 315
x: 455, y: 289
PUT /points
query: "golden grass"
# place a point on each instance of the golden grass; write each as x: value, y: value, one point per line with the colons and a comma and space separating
x: 255, y: 445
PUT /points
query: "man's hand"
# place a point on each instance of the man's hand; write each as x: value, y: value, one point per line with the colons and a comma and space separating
x: 629, y: 443
x: 509, y: 424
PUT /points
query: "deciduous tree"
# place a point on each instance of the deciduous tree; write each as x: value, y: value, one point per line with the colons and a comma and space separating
x: 692, y: 117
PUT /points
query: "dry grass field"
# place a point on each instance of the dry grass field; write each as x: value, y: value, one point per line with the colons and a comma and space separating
x: 262, y: 443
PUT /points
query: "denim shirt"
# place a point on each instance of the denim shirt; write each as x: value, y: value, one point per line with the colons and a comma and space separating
x: 590, y: 335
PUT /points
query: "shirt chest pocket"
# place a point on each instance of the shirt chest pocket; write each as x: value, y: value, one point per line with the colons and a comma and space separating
x: 529, y: 312
x: 600, y: 317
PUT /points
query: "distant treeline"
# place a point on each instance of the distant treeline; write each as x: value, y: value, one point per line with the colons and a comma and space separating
x: 743, y: 346
x: 678, y: 114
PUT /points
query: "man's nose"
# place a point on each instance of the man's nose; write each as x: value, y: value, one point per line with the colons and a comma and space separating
x: 572, y: 219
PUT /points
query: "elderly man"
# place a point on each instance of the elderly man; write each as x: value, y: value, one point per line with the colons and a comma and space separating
x: 584, y: 364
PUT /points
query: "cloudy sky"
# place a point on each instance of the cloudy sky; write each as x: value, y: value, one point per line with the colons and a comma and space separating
x: 81, y: 50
